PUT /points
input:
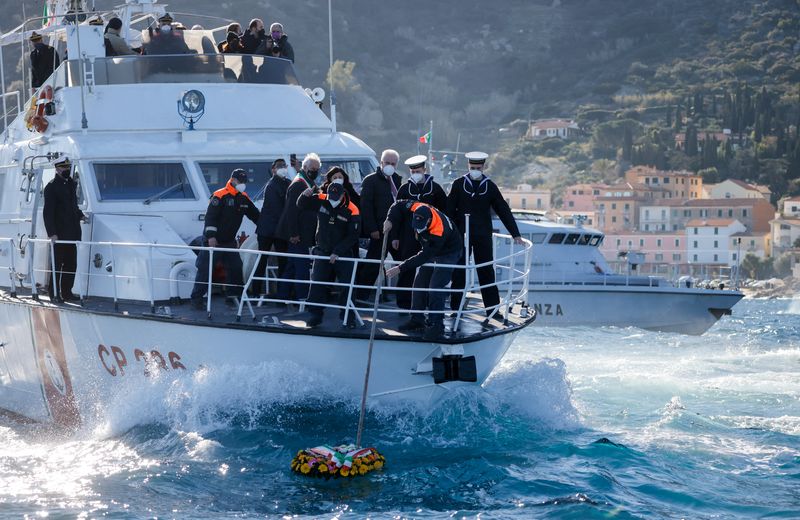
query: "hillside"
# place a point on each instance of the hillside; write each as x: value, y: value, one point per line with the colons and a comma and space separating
x: 480, y: 71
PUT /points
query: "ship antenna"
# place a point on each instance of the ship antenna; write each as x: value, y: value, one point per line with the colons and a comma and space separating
x: 330, y: 69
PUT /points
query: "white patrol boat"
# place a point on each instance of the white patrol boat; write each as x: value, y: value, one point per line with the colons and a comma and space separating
x: 151, y: 136
x: 572, y: 284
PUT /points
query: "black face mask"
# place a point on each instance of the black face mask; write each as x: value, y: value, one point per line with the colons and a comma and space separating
x: 312, y: 174
x: 65, y: 173
x: 262, y: 33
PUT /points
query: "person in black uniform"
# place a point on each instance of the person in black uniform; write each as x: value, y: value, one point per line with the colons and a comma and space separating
x: 476, y: 195
x: 44, y: 60
x: 338, y: 226
x: 378, y: 192
x: 419, y: 187
x: 226, y: 209
x: 271, y: 211
x: 62, y: 220
x: 440, y: 243
x: 297, y: 226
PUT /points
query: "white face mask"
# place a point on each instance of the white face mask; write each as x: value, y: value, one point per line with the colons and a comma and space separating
x: 388, y: 170
x: 335, y: 203
x: 475, y: 174
x: 290, y: 171
x: 241, y: 187
x: 417, y: 177
x: 281, y: 172
x: 338, y: 181
x: 166, y: 28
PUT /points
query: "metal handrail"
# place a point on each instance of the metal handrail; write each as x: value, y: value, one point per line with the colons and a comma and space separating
x: 508, y: 263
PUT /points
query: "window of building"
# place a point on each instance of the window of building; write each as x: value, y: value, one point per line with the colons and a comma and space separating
x: 695, y: 244
x: 658, y: 242
x: 676, y: 257
x: 524, y: 203
x: 641, y: 242
x: 613, y: 205
x: 752, y: 243
x: 695, y: 230
x: 613, y: 219
x: 716, y: 244
x: 730, y: 213
x: 719, y: 213
x: 627, y: 206
x: 619, y: 242
x: 716, y: 231
x: 716, y: 258
x: 744, y: 212
x: 647, y: 227
x: 666, y: 180
x: 734, y: 257
x: 659, y: 257
x: 647, y: 213
x: 695, y: 258
x: 677, y: 242
x: 571, y: 204
x: 630, y: 244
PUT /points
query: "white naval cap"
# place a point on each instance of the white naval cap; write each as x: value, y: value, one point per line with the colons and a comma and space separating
x: 476, y: 157
x: 418, y: 161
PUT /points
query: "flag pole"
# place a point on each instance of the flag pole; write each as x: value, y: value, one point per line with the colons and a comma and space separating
x: 330, y: 69
x: 430, y: 144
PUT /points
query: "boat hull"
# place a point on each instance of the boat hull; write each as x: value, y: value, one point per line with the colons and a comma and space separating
x: 665, y: 309
x: 57, y: 362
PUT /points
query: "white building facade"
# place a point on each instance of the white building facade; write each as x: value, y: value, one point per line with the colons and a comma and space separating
x: 710, y: 241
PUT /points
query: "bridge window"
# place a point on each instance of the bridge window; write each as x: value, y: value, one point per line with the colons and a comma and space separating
x: 596, y: 240
x: 556, y: 238
x: 537, y: 238
x: 142, y: 181
x: 584, y: 240
x: 572, y: 238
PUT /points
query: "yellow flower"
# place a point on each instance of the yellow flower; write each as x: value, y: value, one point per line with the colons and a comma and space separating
x: 305, y: 468
x: 378, y: 464
x: 362, y: 470
x: 344, y: 472
x: 323, y: 468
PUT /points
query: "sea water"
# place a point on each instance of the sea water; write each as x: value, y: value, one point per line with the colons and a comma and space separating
x: 575, y: 423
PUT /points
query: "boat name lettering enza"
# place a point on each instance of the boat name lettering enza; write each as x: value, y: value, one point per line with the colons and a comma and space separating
x: 114, y: 360
x: 548, y: 309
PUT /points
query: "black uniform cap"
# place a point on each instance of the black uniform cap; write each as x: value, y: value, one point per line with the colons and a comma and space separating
x: 335, y: 191
x: 421, y: 217
x: 239, y: 174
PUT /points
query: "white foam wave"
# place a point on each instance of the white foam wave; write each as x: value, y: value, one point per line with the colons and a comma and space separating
x: 208, y: 399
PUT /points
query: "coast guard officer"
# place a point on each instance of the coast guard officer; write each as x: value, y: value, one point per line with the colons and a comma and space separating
x: 476, y: 195
x: 62, y: 220
x: 420, y: 187
x: 226, y: 209
x: 440, y: 243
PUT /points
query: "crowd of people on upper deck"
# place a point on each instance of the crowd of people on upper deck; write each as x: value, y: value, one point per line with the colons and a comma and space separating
x: 166, y: 36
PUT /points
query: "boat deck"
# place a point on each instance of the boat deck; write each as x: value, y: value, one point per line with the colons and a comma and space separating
x: 472, y: 326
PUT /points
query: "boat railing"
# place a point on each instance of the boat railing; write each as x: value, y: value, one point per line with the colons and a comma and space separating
x: 11, y: 111
x: 149, y: 273
x: 590, y: 273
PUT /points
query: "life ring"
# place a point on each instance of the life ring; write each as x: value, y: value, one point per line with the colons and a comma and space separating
x: 39, y: 121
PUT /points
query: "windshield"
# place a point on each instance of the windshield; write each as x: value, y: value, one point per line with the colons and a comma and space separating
x: 184, y: 68
x: 147, y: 182
x: 216, y: 175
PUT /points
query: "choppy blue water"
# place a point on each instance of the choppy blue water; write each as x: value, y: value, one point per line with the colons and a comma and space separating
x: 575, y: 423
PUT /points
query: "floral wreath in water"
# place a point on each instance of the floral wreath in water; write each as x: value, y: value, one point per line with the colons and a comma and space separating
x: 337, y: 461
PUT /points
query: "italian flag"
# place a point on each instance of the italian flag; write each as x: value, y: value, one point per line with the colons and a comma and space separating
x: 425, y: 138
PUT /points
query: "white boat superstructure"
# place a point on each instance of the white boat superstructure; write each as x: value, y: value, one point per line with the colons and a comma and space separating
x: 145, y: 170
x: 571, y: 283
